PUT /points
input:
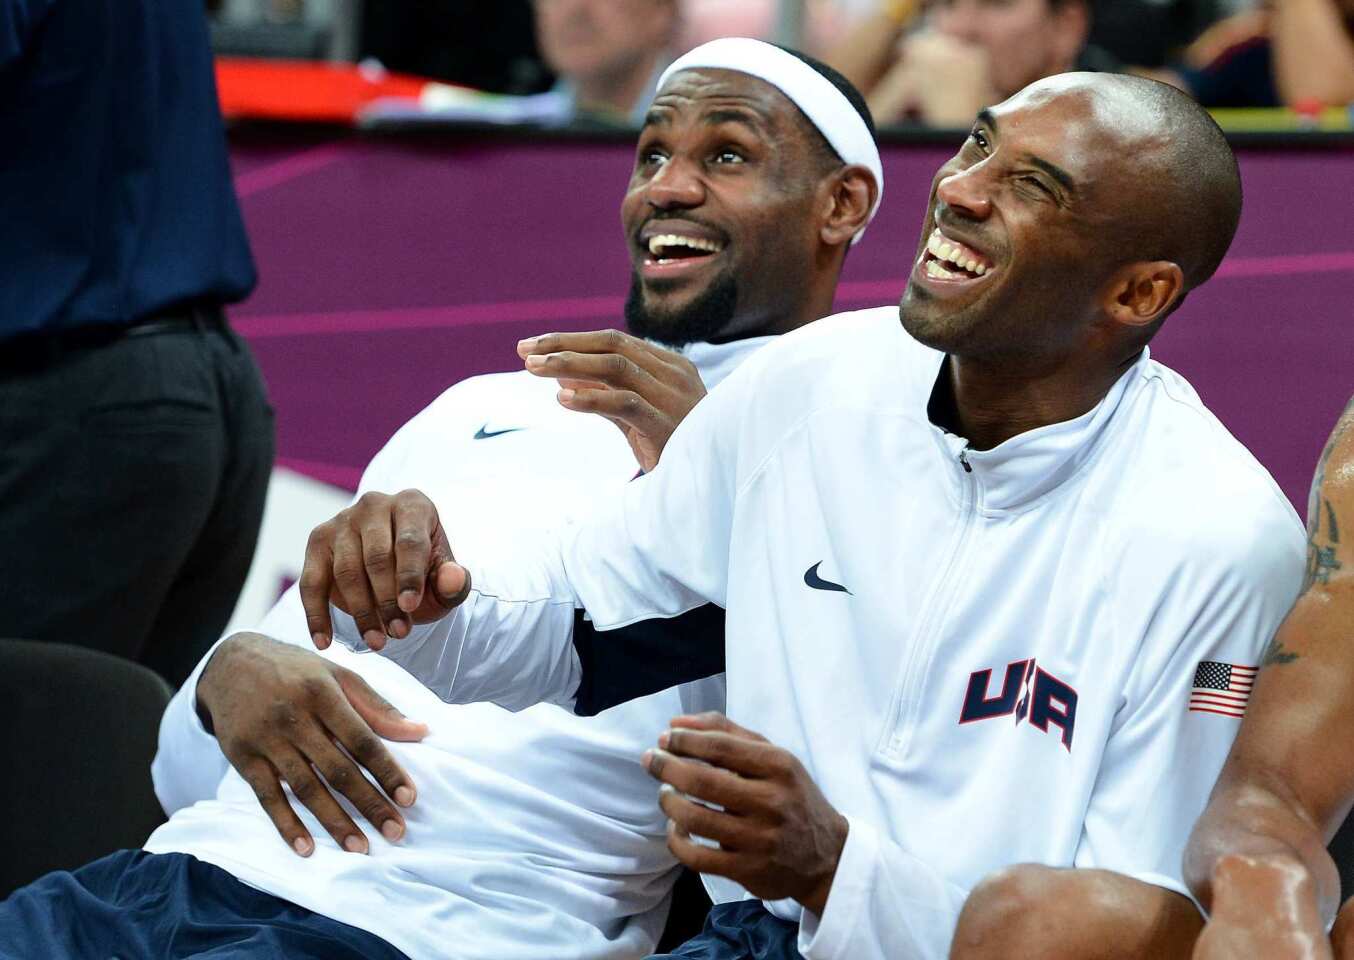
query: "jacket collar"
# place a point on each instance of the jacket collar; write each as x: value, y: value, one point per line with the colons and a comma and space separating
x: 715, y: 361
x: 1027, y: 467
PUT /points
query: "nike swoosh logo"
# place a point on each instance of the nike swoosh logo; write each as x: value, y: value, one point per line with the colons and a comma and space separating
x: 482, y: 434
x: 812, y: 579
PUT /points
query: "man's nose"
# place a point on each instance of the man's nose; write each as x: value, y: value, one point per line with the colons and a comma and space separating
x: 967, y: 193
x: 677, y: 184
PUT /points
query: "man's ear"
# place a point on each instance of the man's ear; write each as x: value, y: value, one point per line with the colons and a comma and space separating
x: 1142, y: 293
x: 850, y: 198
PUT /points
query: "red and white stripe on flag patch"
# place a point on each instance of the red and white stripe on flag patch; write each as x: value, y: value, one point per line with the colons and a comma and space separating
x: 1221, y: 688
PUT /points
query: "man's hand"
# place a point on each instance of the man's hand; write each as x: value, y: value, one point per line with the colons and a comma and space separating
x: 283, y: 713
x: 778, y: 836
x: 942, y: 80
x: 644, y: 390
x: 1263, y: 907
x: 386, y: 562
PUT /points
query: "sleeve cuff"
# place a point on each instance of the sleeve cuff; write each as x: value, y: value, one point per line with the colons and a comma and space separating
x: 188, y: 762
x: 827, y: 937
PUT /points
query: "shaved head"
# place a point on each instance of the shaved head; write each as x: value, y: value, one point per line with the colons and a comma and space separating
x: 1190, y: 175
x: 1086, y: 207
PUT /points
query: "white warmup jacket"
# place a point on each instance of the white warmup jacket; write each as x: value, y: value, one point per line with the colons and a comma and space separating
x: 982, y: 657
x: 536, y: 835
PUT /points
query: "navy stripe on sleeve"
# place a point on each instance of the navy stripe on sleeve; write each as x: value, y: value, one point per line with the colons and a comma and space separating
x: 645, y: 657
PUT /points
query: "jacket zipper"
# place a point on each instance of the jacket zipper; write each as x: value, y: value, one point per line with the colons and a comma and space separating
x: 921, y: 650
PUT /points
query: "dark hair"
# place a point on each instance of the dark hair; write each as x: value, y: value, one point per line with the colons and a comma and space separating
x: 847, y: 88
x: 1198, y: 183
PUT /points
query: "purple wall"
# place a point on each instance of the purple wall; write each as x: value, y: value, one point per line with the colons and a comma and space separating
x: 391, y: 269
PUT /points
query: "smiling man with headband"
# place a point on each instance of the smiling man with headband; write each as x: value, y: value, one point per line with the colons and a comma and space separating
x: 535, y: 835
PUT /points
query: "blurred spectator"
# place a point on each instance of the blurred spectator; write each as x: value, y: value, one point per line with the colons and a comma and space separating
x: 1297, y: 53
x: 966, y: 55
x: 607, y: 54
x: 136, y: 436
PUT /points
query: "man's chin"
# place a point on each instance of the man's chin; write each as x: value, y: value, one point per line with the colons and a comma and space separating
x: 678, y: 317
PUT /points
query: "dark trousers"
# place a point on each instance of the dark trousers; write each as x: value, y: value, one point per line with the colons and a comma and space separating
x: 132, y: 479
x: 169, y: 906
x: 742, y: 930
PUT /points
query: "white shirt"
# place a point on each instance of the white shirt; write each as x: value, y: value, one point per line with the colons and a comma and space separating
x: 1118, y: 551
x: 536, y: 835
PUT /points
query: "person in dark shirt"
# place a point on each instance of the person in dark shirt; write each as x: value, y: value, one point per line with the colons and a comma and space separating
x: 1288, y: 53
x: 136, y: 439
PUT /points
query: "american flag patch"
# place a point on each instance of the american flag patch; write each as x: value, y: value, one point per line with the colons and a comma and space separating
x: 1221, y: 688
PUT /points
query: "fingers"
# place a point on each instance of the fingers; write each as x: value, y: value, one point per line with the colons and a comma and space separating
x: 378, y: 559
x: 615, y: 370
x: 360, y: 734
x: 383, y: 717
x: 735, y: 752
x: 664, y: 366
x: 316, y: 584
x: 263, y: 780
x: 711, y: 784
x: 702, y: 859
x: 624, y: 407
x: 728, y: 830
x: 343, y: 776
x: 315, y: 796
x: 451, y: 582
x: 414, y: 524
x: 354, y: 588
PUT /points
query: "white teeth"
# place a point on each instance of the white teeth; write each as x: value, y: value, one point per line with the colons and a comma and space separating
x: 665, y: 240
x: 949, y: 251
x: 937, y: 272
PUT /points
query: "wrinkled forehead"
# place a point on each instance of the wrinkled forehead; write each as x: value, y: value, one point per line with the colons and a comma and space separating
x: 700, y: 92
x: 1090, y: 127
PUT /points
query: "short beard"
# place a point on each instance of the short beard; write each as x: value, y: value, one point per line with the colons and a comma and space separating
x: 705, y: 319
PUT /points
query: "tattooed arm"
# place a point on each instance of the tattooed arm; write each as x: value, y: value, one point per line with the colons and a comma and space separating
x: 1257, y: 858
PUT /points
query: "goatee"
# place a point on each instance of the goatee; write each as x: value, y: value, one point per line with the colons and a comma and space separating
x: 704, y: 319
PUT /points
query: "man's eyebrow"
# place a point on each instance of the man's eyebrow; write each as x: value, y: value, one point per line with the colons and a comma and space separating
x: 1056, y: 172
x: 988, y: 119
x: 727, y: 115
x: 656, y: 118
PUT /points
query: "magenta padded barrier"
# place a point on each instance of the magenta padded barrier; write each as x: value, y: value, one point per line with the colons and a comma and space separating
x: 390, y: 269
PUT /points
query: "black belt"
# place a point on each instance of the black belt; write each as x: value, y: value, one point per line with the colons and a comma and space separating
x: 31, y: 351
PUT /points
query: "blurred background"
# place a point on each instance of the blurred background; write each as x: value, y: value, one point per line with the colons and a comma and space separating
x: 426, y: 181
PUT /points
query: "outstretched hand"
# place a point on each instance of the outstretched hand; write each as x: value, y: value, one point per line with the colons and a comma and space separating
x: 386, y: 562
x: 281, y: 713
x: 777, y: 834
x: 643, y: 389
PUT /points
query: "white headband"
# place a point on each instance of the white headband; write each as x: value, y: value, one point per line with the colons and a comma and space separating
x: 826, y: 107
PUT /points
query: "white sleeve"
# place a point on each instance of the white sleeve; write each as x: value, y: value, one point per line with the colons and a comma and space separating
x: 658, y: 551
x: 1162, y: 758
x: 885, y: 904
x: 189, y: 764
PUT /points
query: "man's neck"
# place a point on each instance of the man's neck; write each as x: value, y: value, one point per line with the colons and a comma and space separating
x: 989, y: 403
x: 815, y: 304
x: 615, y: 92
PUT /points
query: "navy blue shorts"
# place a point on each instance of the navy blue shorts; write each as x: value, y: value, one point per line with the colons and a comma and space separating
x: 742, y: 930
x: 135, y: 904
